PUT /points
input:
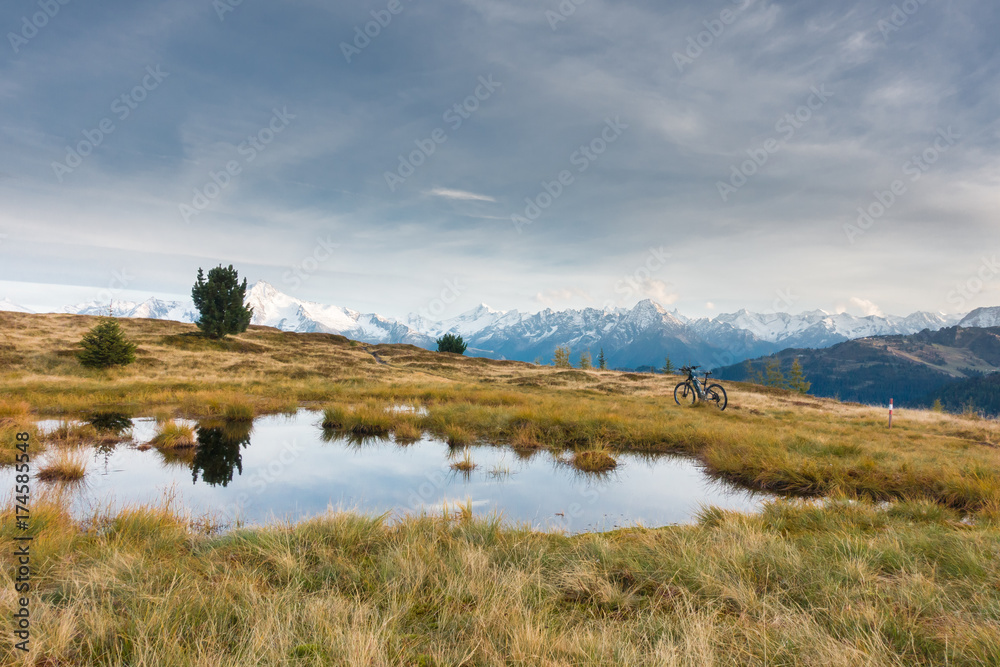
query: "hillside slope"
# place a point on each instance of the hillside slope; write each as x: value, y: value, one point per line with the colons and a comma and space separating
x: 908, y: 369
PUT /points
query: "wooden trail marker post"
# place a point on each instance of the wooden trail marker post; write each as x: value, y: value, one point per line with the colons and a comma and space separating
x: 890, y: 413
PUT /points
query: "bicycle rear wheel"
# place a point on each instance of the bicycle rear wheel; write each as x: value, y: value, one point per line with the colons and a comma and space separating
x: 684, y: 394
x: 716, y: 395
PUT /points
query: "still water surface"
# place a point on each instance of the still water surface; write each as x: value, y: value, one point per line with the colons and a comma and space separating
x: 286, y: 468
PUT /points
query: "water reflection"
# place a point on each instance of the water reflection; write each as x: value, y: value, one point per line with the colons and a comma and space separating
x: 282, y: 467
x: 218, y: 453
x: 110, y: 422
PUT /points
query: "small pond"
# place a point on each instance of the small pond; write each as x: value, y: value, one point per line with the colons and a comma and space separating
x: 287, y: 468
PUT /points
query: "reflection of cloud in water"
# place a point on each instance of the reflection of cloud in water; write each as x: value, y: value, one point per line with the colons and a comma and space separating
x: 289, y: 468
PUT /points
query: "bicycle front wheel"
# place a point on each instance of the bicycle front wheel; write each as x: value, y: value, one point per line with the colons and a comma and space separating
x: 684, y: 394
x: 716, y: 395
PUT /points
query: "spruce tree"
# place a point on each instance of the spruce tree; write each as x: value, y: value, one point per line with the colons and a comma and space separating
x: 797, y: 379
x: 602, y: 363
x: 451, y: 343
x: 220, y: 302
x: 668, y: 366
x: 105, y: 345
x: 773, y: 377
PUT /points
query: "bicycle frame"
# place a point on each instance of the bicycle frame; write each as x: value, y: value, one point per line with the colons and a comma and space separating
x: 692, y: 389
x: 699, y: 387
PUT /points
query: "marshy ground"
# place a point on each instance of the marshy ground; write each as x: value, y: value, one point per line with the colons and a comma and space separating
x: 846, y: 581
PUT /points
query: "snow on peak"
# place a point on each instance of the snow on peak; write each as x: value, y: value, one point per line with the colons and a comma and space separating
x: 262, y: 290
x: 982, y: 317
x: 9, y: 306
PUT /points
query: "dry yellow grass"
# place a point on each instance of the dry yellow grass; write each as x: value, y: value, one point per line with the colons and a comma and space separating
x: 171, y: 435
x: 465, y: 464
x: 840, y: 583
x: 406, y: 432
x: 846, y: 584
x: 594, y: 460
x: 64, y: 465
x: 766, y: 439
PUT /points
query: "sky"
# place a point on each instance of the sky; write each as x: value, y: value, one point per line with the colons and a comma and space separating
x: 395, y: 156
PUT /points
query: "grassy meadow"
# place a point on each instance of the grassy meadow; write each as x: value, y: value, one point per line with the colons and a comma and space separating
x: 851, y: 580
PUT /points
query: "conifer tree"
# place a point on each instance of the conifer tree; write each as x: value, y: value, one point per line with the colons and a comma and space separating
x: 773, y: 377
x: 602, y: 363
x: 668, y: 366
x: 451, y: 343
x: 585, y: 362
x: 220, y: 302
x: 105, y: 345
x: 797, y: 379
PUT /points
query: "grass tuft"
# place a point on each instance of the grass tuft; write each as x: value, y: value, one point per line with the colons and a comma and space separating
x: 238, y: 412
x: 406, y: 433
x: 594, y: 461
x: 14, y: 410
x: 456, y: 436
x: 64, y: 466
x: 171, y: 435
x: 465, y: 464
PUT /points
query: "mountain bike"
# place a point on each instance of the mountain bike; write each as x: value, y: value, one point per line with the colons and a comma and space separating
x: 691, y: 391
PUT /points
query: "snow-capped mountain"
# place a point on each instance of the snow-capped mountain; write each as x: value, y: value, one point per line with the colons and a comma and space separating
x: 982, y: 317
x: 273, y: 308
x: 151, y: 308
x: 630, y: 337
x: 9, y: 306
x: 646, y: 333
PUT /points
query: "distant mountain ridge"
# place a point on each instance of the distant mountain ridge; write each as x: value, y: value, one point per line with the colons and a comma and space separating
x: 630, y: 337
x: 911, y: 369
x: 982, y: 317
x: 7, y: 305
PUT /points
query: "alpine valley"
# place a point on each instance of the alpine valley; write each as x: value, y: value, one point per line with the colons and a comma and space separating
x: 633, y: 338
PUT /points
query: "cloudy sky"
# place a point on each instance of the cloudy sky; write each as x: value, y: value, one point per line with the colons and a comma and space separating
x: 381, y: 154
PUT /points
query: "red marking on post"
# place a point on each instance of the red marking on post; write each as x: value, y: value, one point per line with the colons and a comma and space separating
x: 890, y: 413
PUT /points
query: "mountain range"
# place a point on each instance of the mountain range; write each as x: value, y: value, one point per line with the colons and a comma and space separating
x: 958, y: 365
x: 630, y: 337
